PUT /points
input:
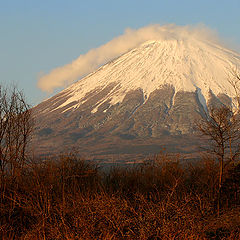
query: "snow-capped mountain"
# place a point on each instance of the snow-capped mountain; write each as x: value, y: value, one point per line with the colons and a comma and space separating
x: 157, y: 89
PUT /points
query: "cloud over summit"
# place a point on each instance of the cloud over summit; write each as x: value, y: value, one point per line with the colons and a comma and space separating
x: 86, y: 63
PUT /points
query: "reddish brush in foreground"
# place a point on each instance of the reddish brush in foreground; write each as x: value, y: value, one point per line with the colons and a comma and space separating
x: 68, y: 198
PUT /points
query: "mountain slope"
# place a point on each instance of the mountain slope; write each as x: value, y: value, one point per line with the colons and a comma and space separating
x: 155, y: 90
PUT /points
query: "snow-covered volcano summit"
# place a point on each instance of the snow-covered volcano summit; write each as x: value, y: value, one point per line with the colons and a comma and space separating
x: 159, y: 88
x: 187, y: 65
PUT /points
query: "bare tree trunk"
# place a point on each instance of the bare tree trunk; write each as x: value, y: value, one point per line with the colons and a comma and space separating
x: 220, y: 185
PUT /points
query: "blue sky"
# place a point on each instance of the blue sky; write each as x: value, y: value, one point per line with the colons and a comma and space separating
x: 38, y: 36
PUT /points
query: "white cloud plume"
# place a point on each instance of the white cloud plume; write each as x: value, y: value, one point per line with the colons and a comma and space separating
x: 131, y: 38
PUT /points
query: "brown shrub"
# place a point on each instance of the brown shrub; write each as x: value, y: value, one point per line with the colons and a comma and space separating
x: 68, y: 198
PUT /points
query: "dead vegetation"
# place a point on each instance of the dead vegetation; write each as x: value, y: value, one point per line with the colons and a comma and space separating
x: 68, y: 198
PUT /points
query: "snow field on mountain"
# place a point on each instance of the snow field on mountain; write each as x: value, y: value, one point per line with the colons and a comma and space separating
x: 186, y: 64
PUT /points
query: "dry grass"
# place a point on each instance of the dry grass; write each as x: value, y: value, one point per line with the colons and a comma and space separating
x: 71, y: 199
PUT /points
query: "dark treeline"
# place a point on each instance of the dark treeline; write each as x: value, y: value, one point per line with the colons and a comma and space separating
x: 69, y: 198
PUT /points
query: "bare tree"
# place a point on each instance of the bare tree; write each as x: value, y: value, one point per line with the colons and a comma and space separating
x: 15, y: 130
x: 221, y: 126
x: 222, y: 129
